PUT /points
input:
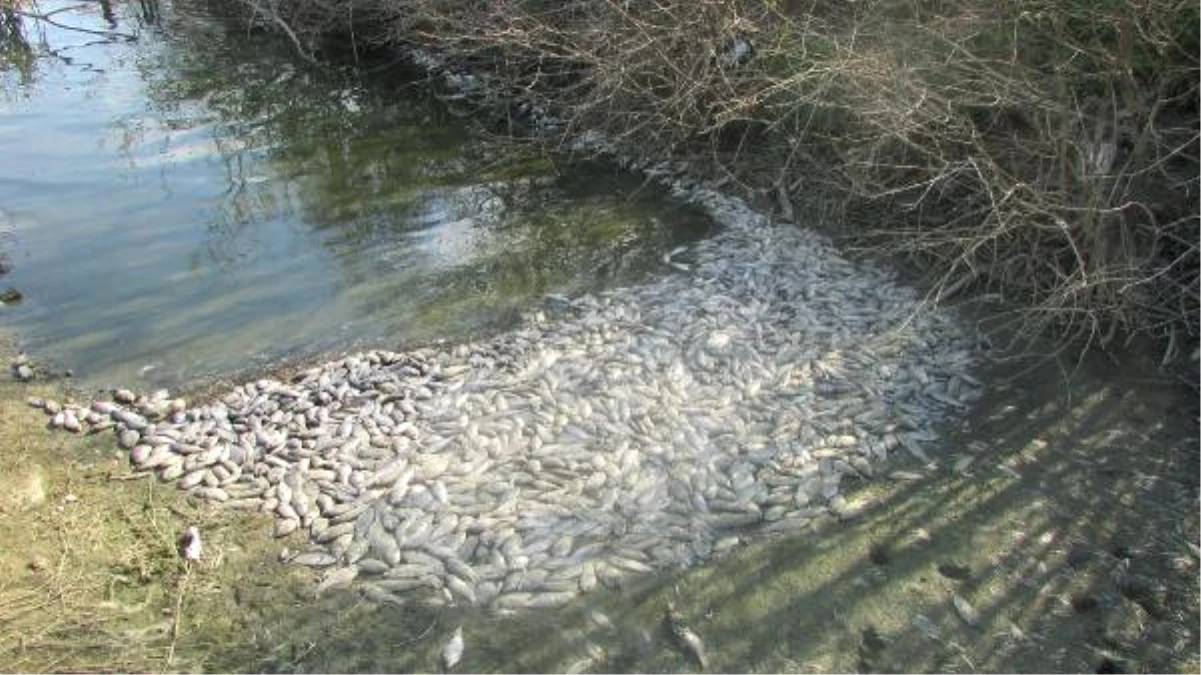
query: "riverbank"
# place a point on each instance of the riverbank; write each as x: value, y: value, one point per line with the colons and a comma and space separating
x: 1061, y: 514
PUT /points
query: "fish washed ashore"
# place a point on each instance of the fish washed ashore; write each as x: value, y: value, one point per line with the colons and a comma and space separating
x: 612, y: 434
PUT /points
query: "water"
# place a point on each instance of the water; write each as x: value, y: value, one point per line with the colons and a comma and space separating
x: 179, y: 199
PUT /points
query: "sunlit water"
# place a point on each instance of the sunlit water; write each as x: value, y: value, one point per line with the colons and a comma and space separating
x: 179, y: 199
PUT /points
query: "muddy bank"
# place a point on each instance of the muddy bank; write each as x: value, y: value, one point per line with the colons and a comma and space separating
x: 88, y: 554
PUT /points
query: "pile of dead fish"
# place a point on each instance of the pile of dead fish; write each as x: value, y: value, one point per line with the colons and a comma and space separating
x: 608, y: 435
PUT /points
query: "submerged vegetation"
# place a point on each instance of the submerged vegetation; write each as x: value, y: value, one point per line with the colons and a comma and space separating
x: 1044, y: 150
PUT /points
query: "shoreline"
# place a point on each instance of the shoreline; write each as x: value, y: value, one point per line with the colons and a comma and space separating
x: 1058, y: 513
x: 791, y: 280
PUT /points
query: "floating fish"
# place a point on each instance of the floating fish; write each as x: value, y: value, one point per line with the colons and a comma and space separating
x: 596, y: 656
x: 600, y: 620
x: 961, y: 465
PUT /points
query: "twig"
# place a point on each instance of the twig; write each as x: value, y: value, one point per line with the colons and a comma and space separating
x: 179, y: 613
x: 52, y: 22
x: 419, y: 637
x: 130, y: 476
x: 283, y: 25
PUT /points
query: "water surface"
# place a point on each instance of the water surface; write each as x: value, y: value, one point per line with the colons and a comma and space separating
x: 179, y: 199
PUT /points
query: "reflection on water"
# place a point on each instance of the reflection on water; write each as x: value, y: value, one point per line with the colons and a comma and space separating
x: 196, y: 200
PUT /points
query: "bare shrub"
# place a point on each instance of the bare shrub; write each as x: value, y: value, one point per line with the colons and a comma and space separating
x: 1043, y: 149
x: 1029, y: 151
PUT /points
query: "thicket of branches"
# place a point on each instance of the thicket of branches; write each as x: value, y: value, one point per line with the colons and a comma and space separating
x: 1043, y: 149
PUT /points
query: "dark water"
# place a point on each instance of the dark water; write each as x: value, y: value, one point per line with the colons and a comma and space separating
x: 179, y: 199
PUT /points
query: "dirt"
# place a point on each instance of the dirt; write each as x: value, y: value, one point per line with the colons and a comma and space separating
x: 1063, y: 514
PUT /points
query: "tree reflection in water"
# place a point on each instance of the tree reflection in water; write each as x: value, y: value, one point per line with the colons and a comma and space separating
x: 262, y: 207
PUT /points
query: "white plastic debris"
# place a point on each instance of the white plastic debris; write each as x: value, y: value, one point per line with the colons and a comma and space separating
x: 190, y: 545
x: 452, y: 653
x: 739, y: 53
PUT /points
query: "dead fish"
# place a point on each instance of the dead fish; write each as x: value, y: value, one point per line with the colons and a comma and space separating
x: 965, y: 610
x: 687, y: 639
x: 313, y: 559
x: 1010, y: 471
x: 600, y: 620
x: 581, y: 666
x: 452, y: 653
x: 925, y: 626
x: 460, y: 588
x: 381, y: 595
x: 910, y: 444
x: 596, y: 656
x: 961, y: 465
x: 337, y: 578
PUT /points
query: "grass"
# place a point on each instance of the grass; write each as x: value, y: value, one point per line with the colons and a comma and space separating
x: 89, y: 572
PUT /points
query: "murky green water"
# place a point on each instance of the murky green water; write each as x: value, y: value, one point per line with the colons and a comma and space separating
x: 181, y: 199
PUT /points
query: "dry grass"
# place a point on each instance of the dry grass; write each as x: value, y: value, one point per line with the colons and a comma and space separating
x: 1046, y: 151
x: 89, y: 573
